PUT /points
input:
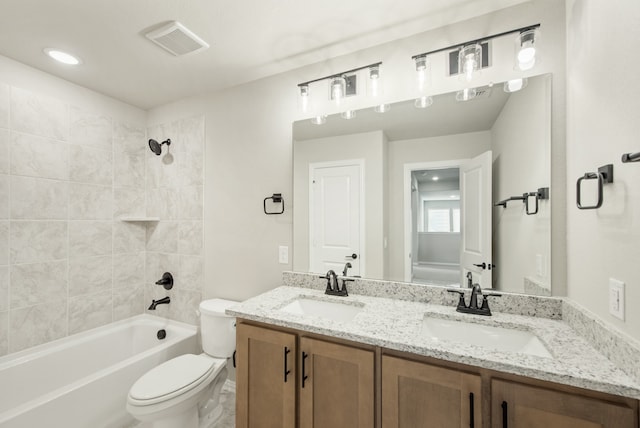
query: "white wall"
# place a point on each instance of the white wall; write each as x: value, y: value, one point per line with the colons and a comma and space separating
x: 368, y: 146
x: 521, y: 153
x: 248, y: 141
x: 603, y: 99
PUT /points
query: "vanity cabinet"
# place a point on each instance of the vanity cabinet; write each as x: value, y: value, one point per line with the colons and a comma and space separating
x: 331, y: 383
x: 336, y: 385
x: 266, y: 396
x: 420, y: 395
x: 517, y: 405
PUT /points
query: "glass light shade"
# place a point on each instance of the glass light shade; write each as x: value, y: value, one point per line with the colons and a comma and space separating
x: 303, y: 98
x: 526, y: 46
x: 348, y: 114
x: 338, y: 89
x: 424, y: 102
x: 515, y: 85
x: 374, y: 82
x: 466, y: 94
x: 382, y: 108
x: 469, y: 60
x: 422, y: 73
x: 319, y: 120
x: 62, y: 57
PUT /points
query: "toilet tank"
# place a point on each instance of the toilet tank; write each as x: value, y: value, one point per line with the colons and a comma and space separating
x: 218, y: 330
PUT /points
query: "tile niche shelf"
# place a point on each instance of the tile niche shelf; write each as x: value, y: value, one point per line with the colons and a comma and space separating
x: 138, y: 219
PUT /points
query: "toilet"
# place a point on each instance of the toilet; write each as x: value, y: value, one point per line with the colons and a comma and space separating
x: 184, y: 392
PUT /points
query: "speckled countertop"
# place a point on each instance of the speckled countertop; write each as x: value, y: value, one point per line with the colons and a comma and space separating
x: 398, y: 325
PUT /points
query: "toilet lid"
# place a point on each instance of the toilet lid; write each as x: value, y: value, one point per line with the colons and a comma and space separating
x: 171, y: 376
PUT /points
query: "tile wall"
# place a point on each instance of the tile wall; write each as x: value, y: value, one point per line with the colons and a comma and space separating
x: 174, y: 192
x: 66, y: 263
x: 67, y: 177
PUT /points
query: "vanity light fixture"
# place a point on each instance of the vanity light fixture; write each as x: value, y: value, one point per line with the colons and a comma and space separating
x: 470, y: 55
x: 341, y: 85
x: 421, y: 72
x: 515, y: 85
x: 526, y: 48
x: 382, y: 108
x: 63, y: 57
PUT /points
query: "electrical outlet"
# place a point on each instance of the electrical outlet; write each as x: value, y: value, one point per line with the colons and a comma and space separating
x: 283, y: 254
x: 616, y: 298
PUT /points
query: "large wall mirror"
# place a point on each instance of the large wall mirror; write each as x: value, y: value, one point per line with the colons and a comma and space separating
x: 427, y: 195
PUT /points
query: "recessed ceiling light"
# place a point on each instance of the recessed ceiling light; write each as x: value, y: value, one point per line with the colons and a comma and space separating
x: 62, y: 57
x: 435, y: 178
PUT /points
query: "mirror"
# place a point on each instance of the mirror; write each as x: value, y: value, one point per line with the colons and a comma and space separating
x: 418, y: 194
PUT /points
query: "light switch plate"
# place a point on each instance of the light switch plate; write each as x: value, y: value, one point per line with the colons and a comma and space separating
x: 616, y: 298
x: 283, y: 254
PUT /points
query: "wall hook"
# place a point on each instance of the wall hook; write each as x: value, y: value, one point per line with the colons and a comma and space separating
x: 604, y: 176
x: 276, y: 198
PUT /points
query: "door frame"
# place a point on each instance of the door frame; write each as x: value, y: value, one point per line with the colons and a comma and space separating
x: 406, y: 203
x: 337, y: 163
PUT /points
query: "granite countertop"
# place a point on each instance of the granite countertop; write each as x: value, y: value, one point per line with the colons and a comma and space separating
x: 398, y: 324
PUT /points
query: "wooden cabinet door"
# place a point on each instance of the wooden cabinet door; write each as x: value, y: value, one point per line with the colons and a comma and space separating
x: 515, y: 405
x: 419, y: 395
x: 336, y: 385
x: 265, y: 395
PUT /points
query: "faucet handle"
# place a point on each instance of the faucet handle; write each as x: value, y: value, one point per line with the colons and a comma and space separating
x: 461, y: 302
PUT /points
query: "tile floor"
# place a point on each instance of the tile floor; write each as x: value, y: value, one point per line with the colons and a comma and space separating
x: 228, y: 399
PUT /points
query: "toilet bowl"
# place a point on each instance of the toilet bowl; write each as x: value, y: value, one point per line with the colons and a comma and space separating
x: 184, y: 392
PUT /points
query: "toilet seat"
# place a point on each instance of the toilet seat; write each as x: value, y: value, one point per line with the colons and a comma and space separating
x: 174, y: 378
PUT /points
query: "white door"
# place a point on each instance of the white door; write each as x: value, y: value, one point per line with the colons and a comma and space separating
x: 336, y: 217
x: 475, y: 220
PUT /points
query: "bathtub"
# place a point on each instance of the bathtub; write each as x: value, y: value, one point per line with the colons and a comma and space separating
x: 82, y: 381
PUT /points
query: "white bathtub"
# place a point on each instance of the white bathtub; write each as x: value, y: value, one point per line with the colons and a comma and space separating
x: 82, y: 381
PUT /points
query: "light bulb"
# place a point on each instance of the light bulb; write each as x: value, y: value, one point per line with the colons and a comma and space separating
x: 526, y: 49
x: 469, y: 60
x: 338, y: 85
x: 62, y: 57
x: 421, y: 71
x: 374, y: 81
x: 319, y: 120
x: 423, y: 102
x: 514, y: 85
x: 466, y: 94
x: 348, y: 114
x: 304, y: 98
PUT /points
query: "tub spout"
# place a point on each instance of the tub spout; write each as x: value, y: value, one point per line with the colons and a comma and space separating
x: 155, y: 303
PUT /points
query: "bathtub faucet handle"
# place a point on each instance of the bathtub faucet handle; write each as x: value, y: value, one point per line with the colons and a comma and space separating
x: 166, y: 281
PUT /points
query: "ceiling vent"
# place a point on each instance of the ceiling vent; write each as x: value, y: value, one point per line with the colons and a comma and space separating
x: 177, y: 39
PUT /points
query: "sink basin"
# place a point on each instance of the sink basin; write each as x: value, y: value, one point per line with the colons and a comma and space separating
x: 496, y: 338
x: 322, y: 309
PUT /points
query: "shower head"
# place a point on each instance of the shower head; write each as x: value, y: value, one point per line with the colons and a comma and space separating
x: 157, y: 147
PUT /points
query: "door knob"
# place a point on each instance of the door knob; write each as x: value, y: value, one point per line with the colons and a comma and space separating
x: 352, y: 256
x: 483, y: 265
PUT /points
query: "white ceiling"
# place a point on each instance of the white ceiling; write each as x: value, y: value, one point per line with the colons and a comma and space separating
x: 249, y: 39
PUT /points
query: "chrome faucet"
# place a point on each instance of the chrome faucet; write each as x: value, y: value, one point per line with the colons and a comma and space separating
x: 473, y: 307
x: 155, y: 303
